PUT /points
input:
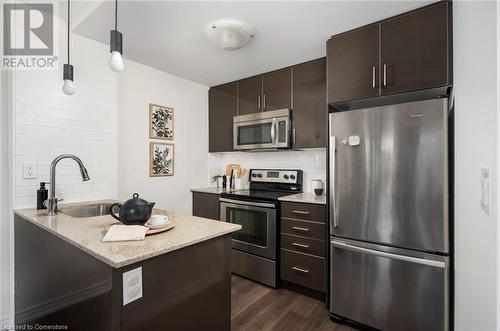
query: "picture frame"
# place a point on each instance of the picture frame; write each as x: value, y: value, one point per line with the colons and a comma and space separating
x: 161, y: 159
x: 161, y: 122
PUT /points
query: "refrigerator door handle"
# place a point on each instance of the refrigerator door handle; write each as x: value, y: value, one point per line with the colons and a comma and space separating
x: 411, y: 259
x: 333, y: 207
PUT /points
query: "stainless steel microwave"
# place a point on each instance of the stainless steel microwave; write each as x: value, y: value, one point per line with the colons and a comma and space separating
x: 266, y: 130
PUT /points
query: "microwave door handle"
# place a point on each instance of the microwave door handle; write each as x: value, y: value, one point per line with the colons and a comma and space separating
x: 273, y: 131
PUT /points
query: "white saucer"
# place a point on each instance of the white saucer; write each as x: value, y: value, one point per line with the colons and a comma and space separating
x: 157, y: 226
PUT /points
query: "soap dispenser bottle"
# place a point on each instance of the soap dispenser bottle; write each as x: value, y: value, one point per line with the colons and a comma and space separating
x: 41, y: 195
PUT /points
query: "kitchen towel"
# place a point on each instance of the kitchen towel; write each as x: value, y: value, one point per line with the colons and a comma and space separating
x: 125, y: 233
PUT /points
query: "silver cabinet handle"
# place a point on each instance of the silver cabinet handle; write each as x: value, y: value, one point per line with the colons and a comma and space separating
x: 300, y: 212
x: 300, y: 245
x: 298, y: 228
x: 373, y: 76
x: 411, y: 259
x: 258, y: 101
x: 299, y: 269
x: 385, y: 74
x: 293, y: 134
x: 263, y: 101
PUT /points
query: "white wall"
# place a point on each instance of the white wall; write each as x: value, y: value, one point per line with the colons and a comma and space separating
x: 476, y: 234
x: 6, y: 216
x: 498, y: 162
x: 49, y: 123
x: 139, y: 85
x: 312, y: 162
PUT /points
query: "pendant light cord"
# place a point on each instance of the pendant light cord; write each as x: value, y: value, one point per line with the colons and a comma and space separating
x: 116, y: 14
x: 68, y: 26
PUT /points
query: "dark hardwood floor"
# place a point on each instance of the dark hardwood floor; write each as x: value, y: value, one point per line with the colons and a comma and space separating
x: 257, y: 307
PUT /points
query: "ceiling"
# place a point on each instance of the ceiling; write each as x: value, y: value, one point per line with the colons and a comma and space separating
x: 170, y: 35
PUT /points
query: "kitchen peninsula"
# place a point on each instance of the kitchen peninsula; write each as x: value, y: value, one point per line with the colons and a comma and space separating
x: 179, y: 279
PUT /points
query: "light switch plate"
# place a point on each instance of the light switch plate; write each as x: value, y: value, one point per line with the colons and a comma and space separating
x: 485, y: 202
x: 132, y: 285
x: 29, y: 170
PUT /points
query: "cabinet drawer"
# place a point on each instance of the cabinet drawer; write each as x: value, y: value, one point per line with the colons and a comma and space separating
x: 303, y: 228
x: 302, y: 211
x: 303, y: 269
x: 303, y: 245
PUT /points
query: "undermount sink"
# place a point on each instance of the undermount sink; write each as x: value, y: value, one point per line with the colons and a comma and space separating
x: 87, y: 211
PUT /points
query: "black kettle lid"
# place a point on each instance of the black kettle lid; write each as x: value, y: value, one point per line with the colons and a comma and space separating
x: 136, y: 200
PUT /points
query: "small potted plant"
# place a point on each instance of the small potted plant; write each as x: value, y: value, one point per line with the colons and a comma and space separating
x: 215, y: 179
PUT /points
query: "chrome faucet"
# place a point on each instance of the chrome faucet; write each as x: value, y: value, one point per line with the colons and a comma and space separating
x: 51, y: 202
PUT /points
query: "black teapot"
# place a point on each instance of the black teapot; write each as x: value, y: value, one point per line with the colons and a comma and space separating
x: 134, y: 211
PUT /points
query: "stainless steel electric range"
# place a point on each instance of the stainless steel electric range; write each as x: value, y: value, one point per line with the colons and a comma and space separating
x: 255, y: 246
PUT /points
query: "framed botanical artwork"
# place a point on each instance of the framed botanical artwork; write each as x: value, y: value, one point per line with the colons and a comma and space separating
x: 161, y: 159
x: 161, y: 122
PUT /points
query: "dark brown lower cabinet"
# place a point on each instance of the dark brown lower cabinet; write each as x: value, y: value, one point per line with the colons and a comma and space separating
x: 206, y: 205
x: 59, y: 284
x: 303, y: 269
x: 303, y: 245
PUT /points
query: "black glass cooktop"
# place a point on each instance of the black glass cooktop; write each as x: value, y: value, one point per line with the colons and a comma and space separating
x: 256, y: 195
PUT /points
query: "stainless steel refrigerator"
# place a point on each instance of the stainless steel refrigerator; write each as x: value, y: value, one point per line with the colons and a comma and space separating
x: 389, y: 232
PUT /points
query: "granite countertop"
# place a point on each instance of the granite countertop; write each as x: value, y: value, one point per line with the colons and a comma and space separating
x: 213, y: 190
x: 305, y: 198
x: 87, y: 234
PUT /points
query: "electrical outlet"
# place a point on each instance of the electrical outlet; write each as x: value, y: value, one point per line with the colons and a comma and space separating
x: 29, y: 170
x: 485, y: 202
x: 132, y: 285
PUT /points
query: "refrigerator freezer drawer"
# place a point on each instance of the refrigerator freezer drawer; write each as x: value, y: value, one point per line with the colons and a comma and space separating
x: 384, y: 289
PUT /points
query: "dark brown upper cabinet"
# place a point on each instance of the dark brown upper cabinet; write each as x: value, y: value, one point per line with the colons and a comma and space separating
x: 414, y: 50
x: 250, y: 95
x: 277, y: 90
x: 353, y: 60
x: 408, y: 52
x: 222, y: 106
x: 304, y: 83
x: 309, y: 104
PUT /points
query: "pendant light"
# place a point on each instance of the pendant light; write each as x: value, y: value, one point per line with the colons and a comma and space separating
x: 116, y: 45
x: 68, y: 87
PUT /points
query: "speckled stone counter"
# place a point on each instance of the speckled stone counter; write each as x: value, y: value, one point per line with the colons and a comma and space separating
x: 87, y: 234
x: 212, y: 190
x: 305, y: 198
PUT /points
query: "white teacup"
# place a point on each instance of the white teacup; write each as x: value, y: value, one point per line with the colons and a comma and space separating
x: 158, y: 220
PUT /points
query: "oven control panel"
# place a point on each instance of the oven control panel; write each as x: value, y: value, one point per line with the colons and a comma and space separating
x: 274, y: 176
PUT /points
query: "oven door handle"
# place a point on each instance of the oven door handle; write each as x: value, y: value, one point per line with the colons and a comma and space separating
x: 248, y: 203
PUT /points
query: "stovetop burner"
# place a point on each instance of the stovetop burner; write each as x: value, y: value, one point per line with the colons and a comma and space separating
x: 256, y: 195
x: 269, y: 185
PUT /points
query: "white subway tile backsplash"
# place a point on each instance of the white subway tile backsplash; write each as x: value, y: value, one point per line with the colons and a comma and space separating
x: 49, y: 123
x: 48, y: 102
x: 312, y: 162
x: 37, y: 90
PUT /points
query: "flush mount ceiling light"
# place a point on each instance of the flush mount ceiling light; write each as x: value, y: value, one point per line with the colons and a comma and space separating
x: 229, y: 34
